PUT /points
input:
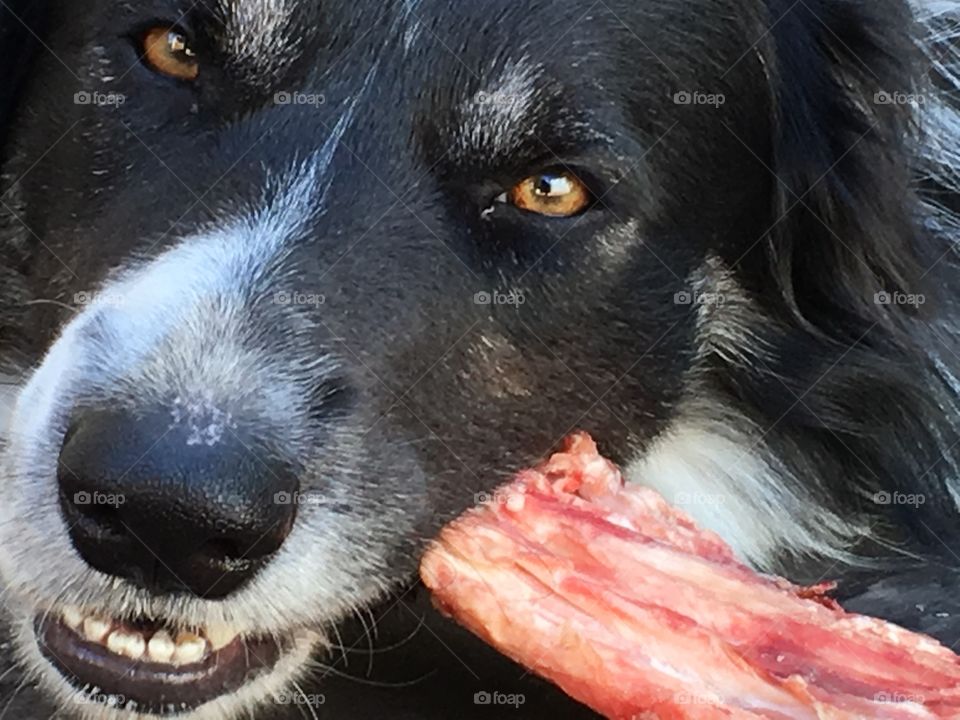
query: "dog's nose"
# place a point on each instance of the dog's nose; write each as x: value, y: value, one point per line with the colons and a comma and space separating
x: 172, y: 501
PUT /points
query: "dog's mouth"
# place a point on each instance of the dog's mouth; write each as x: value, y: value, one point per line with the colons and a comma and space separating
x: 148, y: 667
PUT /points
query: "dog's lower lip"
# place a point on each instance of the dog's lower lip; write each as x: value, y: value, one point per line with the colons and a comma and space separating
x: 151, y: 687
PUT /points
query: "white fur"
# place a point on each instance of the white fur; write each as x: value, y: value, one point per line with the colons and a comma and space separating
x: 939, y: 120
x: 720, y: 473
x: 414, y: 25
x: 190, y: 299
x: 727, y: 319
x: 260, y: 35
x: 169, y: 324
x: 614, y: 248
x: 938, y: 115
x: 496, y: 117
x: 713, y: 463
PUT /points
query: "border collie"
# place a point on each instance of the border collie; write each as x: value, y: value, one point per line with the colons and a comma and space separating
x: 285, y: 285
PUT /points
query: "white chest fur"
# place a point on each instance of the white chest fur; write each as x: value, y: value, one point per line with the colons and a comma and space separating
x: 729, y: 484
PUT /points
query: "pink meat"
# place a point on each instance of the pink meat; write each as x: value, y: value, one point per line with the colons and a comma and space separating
x: 629, y: 607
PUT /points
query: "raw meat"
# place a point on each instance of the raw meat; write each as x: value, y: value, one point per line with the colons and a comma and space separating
x: 630, y: 608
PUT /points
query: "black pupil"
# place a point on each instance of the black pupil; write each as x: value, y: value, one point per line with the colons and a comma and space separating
x: 545, y: 185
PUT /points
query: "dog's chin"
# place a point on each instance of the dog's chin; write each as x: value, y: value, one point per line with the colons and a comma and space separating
x: 100, y: 668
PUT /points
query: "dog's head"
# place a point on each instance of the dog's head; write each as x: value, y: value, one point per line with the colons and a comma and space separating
x: 297, y: 281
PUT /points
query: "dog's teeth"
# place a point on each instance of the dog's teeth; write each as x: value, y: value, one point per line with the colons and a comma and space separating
x: 73, y: 617
x: 187, y: 649
x: 219, y: 636
x: 161, y: 647
x: 136, y: 647
x: 190, y: 649
x: 131, y: 646
x: 95, y: 630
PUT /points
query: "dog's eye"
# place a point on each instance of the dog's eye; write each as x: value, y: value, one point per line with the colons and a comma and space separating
x: 555, y: 194
x: 168, y: 51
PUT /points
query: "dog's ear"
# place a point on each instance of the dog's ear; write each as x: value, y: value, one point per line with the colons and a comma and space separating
x: 843, y: 75
x: 21, y: 26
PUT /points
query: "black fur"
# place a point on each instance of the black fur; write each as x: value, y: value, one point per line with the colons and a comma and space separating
x: 801, y: 183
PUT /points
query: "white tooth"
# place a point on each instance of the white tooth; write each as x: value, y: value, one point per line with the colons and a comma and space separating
x: 190, y: 649
x: 132, y: 646
x: 136, y: 647
x: 95, y: 630
x: 161, y: 647
x: 219, y: 636
x: 72, y: 617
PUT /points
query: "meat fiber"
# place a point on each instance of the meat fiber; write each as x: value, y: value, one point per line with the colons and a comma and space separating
x: 629, y: 607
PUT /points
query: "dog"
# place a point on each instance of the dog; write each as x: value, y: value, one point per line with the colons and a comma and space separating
x: 285, y: 286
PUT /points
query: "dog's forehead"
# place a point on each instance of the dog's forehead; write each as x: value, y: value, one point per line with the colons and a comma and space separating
x: 495, y: 79
x: 273, y: 34
x: 261, y: 31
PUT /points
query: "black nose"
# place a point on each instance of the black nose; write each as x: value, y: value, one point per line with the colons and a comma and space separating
x: 173, y: 503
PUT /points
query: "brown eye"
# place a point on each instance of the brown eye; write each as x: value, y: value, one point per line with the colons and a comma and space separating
x: 555, y: 194
x: 168, y: 51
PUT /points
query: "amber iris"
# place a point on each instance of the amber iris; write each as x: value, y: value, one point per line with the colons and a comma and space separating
x: 556, y: 194
x: 168, y: 52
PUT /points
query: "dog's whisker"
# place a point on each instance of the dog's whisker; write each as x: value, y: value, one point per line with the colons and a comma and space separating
x: 367, y: 630
x: 388, y: 648
x: 6, y: 708
x: 55, y: 303
x: 6, y: 672
x: 332, y: 670
x: 336, y: 631
x: 307, y: 703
